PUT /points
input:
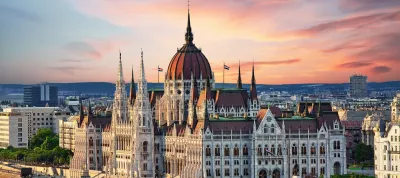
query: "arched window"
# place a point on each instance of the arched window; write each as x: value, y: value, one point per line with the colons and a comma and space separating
x: 322, y: 149
x: 217, y: 150
x: 266, y: 149
x: 226, y: 150
x: 279, y: 150
x: 90, y: 142
x: 303, y: 149
x: 145, y: 146
x: 294, y: 149
x: 144, y: 121
x: 236, y: 151
x: 245, y: 150
x: 313, y: 151
x: 272, y: 128
x: 259, y: 150
x: 273, y: 149
x: 265, y: 128
x: 338, y: 145
x: 208, y: 150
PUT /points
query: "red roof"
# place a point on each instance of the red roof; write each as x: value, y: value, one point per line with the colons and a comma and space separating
x: 189, y: 59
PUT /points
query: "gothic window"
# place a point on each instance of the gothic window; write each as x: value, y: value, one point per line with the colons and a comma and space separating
x: 246, y: 171
x: 236, y: 151
x: 336, y: 145
x: 245, y: 150
x: 144, y: 121
x: 273, y: 149
x: 208, y: 150
x: 145, y: 166
x: 294, y: 149
x: 266, y: 150
x: 279, y: 150
x: 217, y: 151
x: 272, y: 128
x: 226, y: 150
x: 217, y: 172
x: 265, y: 128
x: 269, y: 119
x: 313, y: 151
x: 90, y: 142
x: 208, y: 172
x: 313, y: 171
x: 303, y: 171
x: 322, y: 149
x: 322, y: 171
x: 145, y: 146
x: 259, y: 150
x: 303, y: 149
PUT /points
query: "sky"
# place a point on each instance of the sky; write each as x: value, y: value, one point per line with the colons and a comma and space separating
x: 290, y: 41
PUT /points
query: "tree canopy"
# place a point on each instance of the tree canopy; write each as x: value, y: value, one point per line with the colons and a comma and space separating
x: 364, y: 152
x: 44, y: 148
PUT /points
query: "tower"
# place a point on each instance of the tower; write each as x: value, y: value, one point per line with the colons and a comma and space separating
x: 144, y: 132
x: 120, y: 101
x: 119, y: 114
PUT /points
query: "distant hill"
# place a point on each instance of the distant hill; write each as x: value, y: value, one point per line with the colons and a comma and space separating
x: 104, y: 87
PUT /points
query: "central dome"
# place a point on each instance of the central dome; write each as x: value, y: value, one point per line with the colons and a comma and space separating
x: 187, y: 60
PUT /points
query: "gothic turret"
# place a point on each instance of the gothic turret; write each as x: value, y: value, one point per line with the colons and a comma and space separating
x: 239, y: 81
x: 120, y: 99
x: 132, y: 91
x: 253, y: 88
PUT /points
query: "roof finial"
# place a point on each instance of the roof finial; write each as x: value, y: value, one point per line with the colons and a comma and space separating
x: 120, y: 55
x: 189, y: 34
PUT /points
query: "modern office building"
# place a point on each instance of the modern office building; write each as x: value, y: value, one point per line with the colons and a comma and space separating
x: 358, y: 86
x: 41, y: 95
x: 18, y: 125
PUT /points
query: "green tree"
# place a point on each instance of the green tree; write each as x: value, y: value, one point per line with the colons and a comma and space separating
x: 41, y: 136
x: 364, y: 153
x: 50, y: 143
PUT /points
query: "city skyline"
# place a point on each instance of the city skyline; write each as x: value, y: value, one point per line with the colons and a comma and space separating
x: 290, y: 41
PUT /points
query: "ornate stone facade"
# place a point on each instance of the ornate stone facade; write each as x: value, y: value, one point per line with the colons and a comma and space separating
x: 192, y: 130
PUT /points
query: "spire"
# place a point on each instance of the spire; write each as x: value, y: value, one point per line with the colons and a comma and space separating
x: 253, y: 88
x: 189, y: 34
x: 239, y: 81
x: 193, y: 90
x: 132, y: 94
x: 142, y: 82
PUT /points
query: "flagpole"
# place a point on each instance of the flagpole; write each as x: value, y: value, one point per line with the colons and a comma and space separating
x: 158, y: 74
x: 223, y: 76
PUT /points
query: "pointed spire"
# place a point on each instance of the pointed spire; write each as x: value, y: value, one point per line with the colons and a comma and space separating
x: 239, y: 81
x: 189, y: 34
x: 253, y: 88
x: 132, y: 94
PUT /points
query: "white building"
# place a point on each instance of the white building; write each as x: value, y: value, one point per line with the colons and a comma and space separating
x: 395, y: 108
x: 18, y: 125
x: 192, y: 130
x: 387, y: 151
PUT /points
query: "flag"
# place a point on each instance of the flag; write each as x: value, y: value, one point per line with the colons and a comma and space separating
x: 160, y: 69
x: 226, y: 67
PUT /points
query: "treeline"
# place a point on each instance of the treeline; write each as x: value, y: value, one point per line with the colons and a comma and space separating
x: 44, y: 149
x: 352, y: 175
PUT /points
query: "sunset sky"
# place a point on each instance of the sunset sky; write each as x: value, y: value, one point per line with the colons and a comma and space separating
x: 290, y: 41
